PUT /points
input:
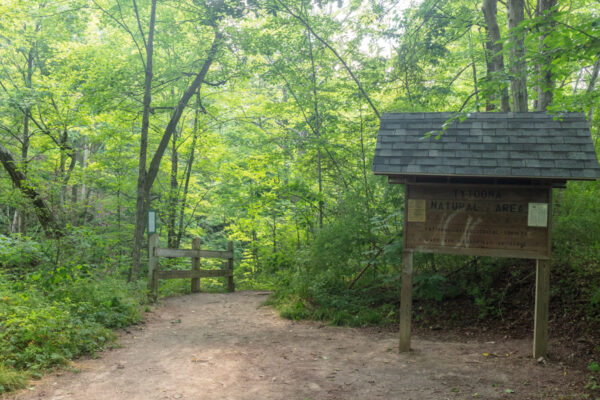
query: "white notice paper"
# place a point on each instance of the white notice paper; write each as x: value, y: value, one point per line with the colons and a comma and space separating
x: 537, y: 215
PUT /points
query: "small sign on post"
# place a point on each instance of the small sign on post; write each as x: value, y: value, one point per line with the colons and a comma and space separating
x: 151, y: 222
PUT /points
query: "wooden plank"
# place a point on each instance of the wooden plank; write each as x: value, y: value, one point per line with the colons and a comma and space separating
x: 177, y: 274
x: 153, y: 266
x: 174, y: 253
x: 531, y: 255
x: 542, y: 300
x: 406, y: 301
x: 216, y: 254
x: 196, y: 242
x: 230, y: 283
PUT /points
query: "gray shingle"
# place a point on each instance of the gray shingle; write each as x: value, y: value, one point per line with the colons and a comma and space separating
x: 487, y: 144
x: 569, y: 164
x: 577, y: 155
x: 566, y: 147
x: 483, y: 162
x: 469, y: 171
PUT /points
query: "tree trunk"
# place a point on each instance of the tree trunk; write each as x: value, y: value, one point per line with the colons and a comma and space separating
x: 518, y: 66
x: 178, y: 111
x: 317, y: 130
x: 592, y: 85
x: 188, y: 172
x: 173, y: 195
x: 545, y: 88
x: 495, y: 59
x: 150, y: 176
x: 18, y: 178
x: 143, y: 194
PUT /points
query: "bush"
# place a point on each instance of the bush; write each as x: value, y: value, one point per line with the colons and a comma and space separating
x: 42, y: 329
x: 11, y: 379
x: 19, y: 253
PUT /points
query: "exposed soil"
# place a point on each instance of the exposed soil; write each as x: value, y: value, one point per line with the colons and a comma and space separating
x: 228, y: 346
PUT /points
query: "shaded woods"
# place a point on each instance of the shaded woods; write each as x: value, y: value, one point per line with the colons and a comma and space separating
x: 256, y: 122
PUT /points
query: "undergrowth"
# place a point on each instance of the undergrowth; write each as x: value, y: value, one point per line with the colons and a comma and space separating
x: 51, y: 313
x: 462, y: 290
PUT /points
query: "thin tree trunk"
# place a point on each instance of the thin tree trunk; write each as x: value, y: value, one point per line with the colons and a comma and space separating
x: 255, y: 251
x: 335, y: 53
x: 474, y: 70
x: 495, y: 59
x: 173, y: 196
x: 143, y: 193
x: 518, y: 67
x: 20, y: 225
x: 317, y: 129
x: 364, y: 168
x: 592, y: 85
x: 545, y: 88
x: 188, y: 172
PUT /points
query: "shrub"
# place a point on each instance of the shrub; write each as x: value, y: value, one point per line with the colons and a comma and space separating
x: 11, y: 379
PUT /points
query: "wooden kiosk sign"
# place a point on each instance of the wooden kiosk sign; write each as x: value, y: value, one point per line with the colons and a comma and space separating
x: 482, y: 187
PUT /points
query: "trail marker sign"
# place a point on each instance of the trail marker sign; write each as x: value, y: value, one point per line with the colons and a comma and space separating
x: 151, y: 222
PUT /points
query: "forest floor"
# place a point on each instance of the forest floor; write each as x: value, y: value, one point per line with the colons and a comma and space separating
x: 230, y: 346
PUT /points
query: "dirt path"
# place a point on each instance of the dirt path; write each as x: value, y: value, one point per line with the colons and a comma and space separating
x: 226, y: 346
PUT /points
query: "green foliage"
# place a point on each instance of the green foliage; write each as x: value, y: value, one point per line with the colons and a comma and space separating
x: 282, y: 137
x: 594, y: 378
x: 19, y: 253
x: 43, y: 329
x: 11, y: 379
x: 54, y: 307
x: 429, y: 285
x: 576, y: 244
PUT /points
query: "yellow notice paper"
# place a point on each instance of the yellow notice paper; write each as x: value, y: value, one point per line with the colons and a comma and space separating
x: 416, y: 210
x: 537, y: 215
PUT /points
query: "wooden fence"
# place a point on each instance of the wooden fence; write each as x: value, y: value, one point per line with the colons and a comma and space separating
x: 155, y: 274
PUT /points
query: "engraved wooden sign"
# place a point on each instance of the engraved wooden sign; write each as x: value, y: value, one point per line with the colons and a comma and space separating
x: 478, y: 220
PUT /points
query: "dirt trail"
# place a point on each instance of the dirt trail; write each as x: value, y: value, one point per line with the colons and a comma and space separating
x: 226, y: 346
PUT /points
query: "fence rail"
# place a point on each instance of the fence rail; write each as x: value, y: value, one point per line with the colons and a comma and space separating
x: 195, y: 253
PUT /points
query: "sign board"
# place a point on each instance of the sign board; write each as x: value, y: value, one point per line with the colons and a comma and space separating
x: 151, y: 221
x: 481, y: 220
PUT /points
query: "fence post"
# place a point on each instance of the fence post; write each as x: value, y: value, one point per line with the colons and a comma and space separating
x: 406, y: 300
x: 196, y: 243
x: 230, y: 284
x: 542, y: 299
x: 153, y: 266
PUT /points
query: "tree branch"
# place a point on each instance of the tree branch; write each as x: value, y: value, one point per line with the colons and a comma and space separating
x: 335, y: 53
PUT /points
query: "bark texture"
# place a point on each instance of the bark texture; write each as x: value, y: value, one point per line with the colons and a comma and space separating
x: 518, y: 66
x: 545, y: 88
x: 495, y: 59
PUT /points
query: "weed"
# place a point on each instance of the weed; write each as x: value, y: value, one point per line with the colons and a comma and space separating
x: 11, y: 379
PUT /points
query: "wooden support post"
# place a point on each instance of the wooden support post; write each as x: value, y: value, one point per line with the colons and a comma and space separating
x: 230, y: 283
x: 406, y: 300
x: 153, y: 267
x: 542, y: 301
x: 196, y: 243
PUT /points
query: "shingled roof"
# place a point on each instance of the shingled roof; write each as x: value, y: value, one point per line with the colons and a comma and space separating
x: 515, y: 145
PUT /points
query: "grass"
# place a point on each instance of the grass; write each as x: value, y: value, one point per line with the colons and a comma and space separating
x: 11, y: 379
